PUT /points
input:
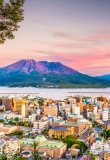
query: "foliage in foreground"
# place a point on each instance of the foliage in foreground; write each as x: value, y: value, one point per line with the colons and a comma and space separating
x: 10, y: 15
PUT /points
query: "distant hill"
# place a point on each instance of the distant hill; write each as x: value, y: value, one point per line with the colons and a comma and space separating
x: 106, y: 77
x: 46, y: 74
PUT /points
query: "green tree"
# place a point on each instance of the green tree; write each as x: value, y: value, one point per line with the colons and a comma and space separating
x: 53, y: 136
x: 108, y: 133
x: 82, y: 146
x: 104, y: 134
x: 16, y: 119
x: 35, y: 152
x: 46, y: 132
x: 2, y: 120
x: 40, y: 102
x: 61, y: 136
x: 26, y: 123
x: 91, y: 155
x: 11, y: 14
x: 11, y: 122
x: 70, y: 140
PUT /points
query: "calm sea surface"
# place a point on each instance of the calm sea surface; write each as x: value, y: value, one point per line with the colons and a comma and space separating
x: 55, y: 94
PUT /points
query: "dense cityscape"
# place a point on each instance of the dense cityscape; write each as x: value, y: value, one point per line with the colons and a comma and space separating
x: 54, y: 80
x: 76, y: 127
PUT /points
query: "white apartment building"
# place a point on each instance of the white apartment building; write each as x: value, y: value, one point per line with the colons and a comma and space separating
x: 95, y: 110
x: 38, y: 111
x: 99, y: 146
x: 105, y: 114
x: 32, y: 118
x: 76, y: 110
x: 40, y: 125
x: 10, y: 145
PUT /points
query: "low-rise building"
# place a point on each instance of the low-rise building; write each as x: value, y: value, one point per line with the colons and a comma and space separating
x: 61, y: 132
x: 107, y: 156
x: 76, y: 124
x: 99, y: 146
x: 8, y: 129
x: 40, y: 125
x: 55, y: 149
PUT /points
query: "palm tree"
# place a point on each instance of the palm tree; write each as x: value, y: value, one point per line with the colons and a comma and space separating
x: 35, y: 152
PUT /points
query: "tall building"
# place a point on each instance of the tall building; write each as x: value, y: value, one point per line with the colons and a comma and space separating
x: 95, y: 110
x: 50, y: 110
x: 18, y: 103
x: 24, y: 110
x: 7, y: 103
x: 81, y: 105
x: 76, y: 110
x: 105, y: 114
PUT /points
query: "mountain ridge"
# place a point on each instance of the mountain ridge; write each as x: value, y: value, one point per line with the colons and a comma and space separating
x: 28, y: 72
x: 106, y: 77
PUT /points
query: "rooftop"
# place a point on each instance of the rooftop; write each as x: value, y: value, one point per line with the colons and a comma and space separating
x: 59, y: 121
x: 52, y: 144
x: 73, y: 123
x: 99, y: 139
x: 59, y: 128
x: 40, y: 138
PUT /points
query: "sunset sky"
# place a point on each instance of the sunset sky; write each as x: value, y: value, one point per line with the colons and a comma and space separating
x: 73, y: 32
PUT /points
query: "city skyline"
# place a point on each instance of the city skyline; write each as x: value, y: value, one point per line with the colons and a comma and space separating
x: 75, y: 33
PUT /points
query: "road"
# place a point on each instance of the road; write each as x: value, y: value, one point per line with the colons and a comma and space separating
x: 26, y: 129
x: 84, y: 136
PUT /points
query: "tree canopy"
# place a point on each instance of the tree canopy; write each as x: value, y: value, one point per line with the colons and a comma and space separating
x: 71, y: 140
x: 11, y: 14
x: 106, y: 134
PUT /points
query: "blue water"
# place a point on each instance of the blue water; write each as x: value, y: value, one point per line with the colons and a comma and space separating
x: 55, y: 94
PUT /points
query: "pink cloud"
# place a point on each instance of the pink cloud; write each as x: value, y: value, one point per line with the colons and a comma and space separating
x: 101, y: 35
x: 98, y: 35
x: 68, y: 45
x: 93, y: 63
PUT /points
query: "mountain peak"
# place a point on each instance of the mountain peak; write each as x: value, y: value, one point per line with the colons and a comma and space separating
x: 30, y: 65
x: 26, y: 60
